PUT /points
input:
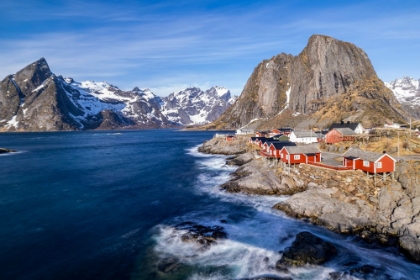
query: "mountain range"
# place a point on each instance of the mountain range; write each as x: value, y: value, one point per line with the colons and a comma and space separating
x: 407, y: 92
x: 329, y: 81
x: 35, y: 99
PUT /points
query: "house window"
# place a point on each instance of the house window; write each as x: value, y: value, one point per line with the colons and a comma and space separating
x: 366, y: 163
x: 297, y: 156
x: 287, y: 157
x: 379, y: 165
x: 281, y: 155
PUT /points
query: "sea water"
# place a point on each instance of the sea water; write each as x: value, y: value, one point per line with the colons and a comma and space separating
x: 103, y: 205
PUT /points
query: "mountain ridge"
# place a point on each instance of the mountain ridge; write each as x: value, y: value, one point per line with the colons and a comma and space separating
x: 407, y: 92
x: 35, y: 99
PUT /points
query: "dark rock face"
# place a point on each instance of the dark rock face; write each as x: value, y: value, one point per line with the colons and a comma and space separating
x: 203, y: 235
x: 307, y: 83
x: 306, y: 249
x: 4, y: 151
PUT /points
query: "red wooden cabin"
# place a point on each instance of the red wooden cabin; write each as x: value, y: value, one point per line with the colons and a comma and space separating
x: 230, y: 138
x: 336, y: 135
x: 369, y: 161
x: 300, y: 154
x: 275, y: 148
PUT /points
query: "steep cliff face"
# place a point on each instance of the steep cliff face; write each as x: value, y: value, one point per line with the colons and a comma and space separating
x: 294, y: 90
x: 31, y: 100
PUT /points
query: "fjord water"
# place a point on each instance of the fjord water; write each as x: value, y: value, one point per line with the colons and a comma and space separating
x: 102, y: 205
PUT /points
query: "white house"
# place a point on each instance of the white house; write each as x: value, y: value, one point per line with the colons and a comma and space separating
x: 244, y: 131
x: 306, y: 136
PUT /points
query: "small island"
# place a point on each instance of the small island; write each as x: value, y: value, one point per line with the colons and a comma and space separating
x: 5, y: 151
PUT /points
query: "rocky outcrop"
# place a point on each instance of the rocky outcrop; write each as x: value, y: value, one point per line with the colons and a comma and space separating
x: 219, y: 145
x: 5, y: 151
x: 289, y: 89
x: 256, y: 177
x: 378, y: 212
x: 202, y: 235
x: 306, y: 249
x: 240, y: 159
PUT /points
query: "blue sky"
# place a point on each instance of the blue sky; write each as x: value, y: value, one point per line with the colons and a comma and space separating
x: 169, y: 45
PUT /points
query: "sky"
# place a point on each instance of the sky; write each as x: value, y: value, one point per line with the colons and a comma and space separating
x: 167, y: 46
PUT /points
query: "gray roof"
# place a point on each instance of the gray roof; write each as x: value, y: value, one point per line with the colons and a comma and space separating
x: 346, y: 131
x: 350, y: 125
x: 307, y: 149
x: 363, y: 155
x: 304, y: 134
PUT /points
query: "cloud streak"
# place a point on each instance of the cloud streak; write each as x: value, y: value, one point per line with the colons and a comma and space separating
x: 155, y: 44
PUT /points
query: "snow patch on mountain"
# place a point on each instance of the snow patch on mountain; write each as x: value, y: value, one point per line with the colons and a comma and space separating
x: 406, y: 90
x: 193, y: 106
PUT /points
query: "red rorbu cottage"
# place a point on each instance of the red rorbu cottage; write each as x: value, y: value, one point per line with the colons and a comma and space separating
x: 230, y: 138
x: 275, y: 148
x: 336, y: 135
x: 300, y: 154
x: 369, y: 161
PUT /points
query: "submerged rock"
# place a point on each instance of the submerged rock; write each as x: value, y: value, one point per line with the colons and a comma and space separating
x: 306, y: 249
x: 203, y: 235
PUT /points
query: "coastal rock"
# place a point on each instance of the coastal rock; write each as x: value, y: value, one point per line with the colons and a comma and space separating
x: 221, y: 146
x: 306, y: 249
x: 318, y: 205
x: 240, y: 160
x: 256, y: 178
x: 202, y: 235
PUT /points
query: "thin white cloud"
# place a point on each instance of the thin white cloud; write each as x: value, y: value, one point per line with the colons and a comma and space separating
x: 142, y: 42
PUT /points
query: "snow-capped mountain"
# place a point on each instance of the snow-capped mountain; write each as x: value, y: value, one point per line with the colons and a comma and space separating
x: 35, y: 99
x: 407, y: 92
x: 193, y: 106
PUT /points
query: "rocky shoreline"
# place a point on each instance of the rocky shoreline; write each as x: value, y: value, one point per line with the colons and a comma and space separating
x: 346, y: 202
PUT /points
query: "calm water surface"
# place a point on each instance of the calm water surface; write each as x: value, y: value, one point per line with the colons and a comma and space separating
x: 102, y: 205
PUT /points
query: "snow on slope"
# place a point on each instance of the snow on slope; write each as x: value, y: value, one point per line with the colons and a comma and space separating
x: 190, y: 106
x: 194, y: 106
x: 139, y: 105
x: 406, y: 90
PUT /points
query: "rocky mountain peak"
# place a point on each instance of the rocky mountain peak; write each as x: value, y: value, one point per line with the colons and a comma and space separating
x: 407, y: 92
x: 291, y: 89
x: 33, y: 75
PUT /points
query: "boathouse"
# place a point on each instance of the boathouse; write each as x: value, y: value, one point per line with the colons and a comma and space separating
x: 300, y: 154
x: 356, y: 127
x: 339, y: 135
x: 275, y: 148
x: 369, y: 162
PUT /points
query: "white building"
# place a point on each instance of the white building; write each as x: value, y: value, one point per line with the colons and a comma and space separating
x: 306, y: 136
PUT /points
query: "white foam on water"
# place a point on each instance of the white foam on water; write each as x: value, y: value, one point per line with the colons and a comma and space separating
x: 256, y: 235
